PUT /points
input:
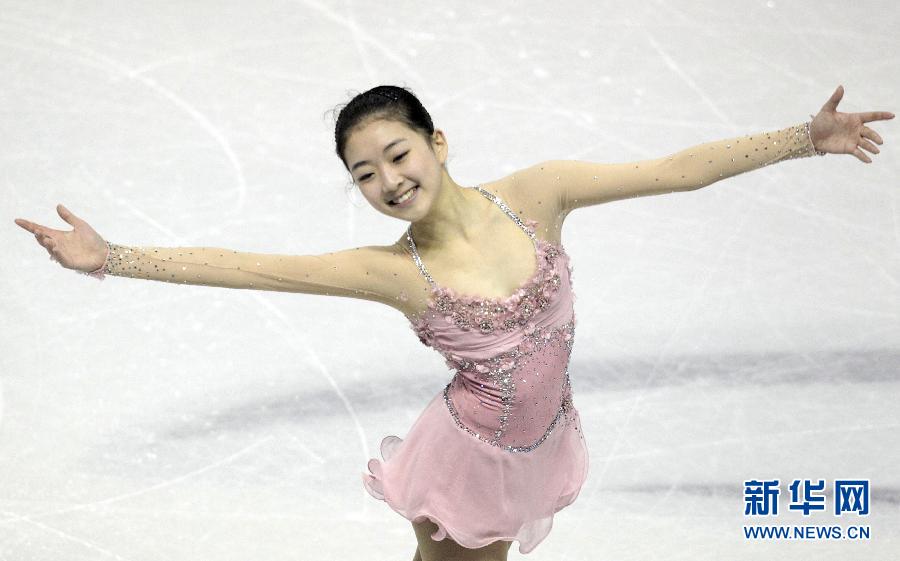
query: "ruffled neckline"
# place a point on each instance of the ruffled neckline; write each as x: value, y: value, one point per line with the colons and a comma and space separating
x: 471, y: 311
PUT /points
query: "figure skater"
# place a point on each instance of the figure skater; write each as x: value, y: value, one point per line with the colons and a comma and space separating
x: 482, y: 277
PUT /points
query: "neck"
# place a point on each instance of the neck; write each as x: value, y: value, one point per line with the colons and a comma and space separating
x: 456, y: 215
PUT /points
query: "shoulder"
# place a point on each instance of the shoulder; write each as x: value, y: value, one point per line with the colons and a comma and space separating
x: 384, y: 261
x: 534, y: 193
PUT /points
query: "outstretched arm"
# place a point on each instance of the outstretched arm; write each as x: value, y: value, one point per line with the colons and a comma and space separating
x: 363, y: 272
x: 572, y: 184
x: 584, y: 184
x: 354, y: 273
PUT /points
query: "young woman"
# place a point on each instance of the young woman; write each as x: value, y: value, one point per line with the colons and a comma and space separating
x: 483, y: 278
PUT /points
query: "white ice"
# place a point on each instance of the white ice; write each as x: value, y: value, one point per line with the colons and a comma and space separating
x: 749, y: 329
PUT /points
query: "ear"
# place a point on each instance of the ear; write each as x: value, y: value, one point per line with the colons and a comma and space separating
x: 439, y: 144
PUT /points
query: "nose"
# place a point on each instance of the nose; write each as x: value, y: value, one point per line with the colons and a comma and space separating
x: 392, y: 180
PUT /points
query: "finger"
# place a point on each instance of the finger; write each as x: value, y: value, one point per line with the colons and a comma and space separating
x: 866, y: 132
x: 875, y: 116
x: 832, y: 103
x: 67, y: 215
x: 30, y: 226
x: 862, y: 156
x: 37, y: 228
x: 865, y: 144
x: 34, y: 228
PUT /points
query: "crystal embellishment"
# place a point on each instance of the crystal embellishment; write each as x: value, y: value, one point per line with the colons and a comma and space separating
x: 519, y: 311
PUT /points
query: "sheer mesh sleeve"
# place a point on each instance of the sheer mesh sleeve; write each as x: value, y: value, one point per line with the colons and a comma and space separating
x: 575, y: 184
x: 362, y: 272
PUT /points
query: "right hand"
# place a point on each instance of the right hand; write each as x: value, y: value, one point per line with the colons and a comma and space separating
x: 81, y: 249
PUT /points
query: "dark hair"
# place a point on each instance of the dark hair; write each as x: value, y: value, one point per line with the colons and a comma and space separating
x: 381, y: 102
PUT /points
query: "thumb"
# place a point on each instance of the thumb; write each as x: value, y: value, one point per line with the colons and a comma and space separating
x: 66, y: 215
x: 832, y: 103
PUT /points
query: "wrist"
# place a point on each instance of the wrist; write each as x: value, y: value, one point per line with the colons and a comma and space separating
x: 816, y: 151
x: 101, y: 271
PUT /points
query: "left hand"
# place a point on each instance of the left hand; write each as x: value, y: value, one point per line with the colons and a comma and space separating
x: 845, y: 133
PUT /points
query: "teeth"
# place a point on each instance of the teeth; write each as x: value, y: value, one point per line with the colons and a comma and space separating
x: 405, y: 196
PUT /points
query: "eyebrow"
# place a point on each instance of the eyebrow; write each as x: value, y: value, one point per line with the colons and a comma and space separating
x: 386, y: 148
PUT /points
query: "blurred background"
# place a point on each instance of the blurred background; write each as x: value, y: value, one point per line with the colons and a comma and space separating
x: 746, y: 330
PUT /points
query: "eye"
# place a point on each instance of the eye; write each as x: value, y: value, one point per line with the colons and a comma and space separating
x: 396, y: 159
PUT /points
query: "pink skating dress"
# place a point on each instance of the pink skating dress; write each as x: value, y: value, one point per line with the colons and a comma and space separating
x: 499, y: 450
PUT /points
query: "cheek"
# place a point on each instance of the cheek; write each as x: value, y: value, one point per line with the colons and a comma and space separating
x: 371, y: 197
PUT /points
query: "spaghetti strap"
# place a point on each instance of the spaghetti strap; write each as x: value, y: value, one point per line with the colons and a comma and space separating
x: 509, y: 212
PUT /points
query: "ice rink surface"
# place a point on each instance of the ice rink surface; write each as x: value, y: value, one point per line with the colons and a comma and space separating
x: 746, y: 330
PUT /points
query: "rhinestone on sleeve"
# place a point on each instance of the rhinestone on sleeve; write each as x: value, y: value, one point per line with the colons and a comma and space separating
x: 707, y: 163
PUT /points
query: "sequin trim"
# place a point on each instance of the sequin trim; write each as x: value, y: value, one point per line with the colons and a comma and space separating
x: 563, y: 410
x: 500, y: 371
x: 801, y: 146
x: 809, y: 140
x: 497, y: 314
x: 534, y: 339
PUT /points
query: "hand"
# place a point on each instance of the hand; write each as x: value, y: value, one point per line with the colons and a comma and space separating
x: 845, y: 133
x: 81, y: 249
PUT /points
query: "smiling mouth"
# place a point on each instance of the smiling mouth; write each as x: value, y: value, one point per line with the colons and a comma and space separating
x: 406, y: 194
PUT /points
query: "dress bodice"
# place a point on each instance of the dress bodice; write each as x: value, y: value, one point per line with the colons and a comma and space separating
x: 510, y: 354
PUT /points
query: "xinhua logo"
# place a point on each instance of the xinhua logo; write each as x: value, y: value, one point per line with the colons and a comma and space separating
x: 763, y: 498
x: 850, y: 495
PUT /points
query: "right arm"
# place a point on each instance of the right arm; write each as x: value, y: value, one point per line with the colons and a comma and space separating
x: 368, y: 273
x: 361, y: 272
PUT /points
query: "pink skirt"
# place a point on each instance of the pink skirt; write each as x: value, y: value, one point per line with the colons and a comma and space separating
x: 474, y: 492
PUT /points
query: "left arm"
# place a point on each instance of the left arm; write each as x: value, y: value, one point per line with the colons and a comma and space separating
x: 584, y: 184
x: 572, y: 184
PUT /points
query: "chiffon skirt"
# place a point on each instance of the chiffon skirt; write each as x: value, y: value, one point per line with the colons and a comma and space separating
x: 474, y: 492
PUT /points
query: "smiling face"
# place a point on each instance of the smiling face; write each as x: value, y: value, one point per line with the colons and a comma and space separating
x: 387, y: 159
